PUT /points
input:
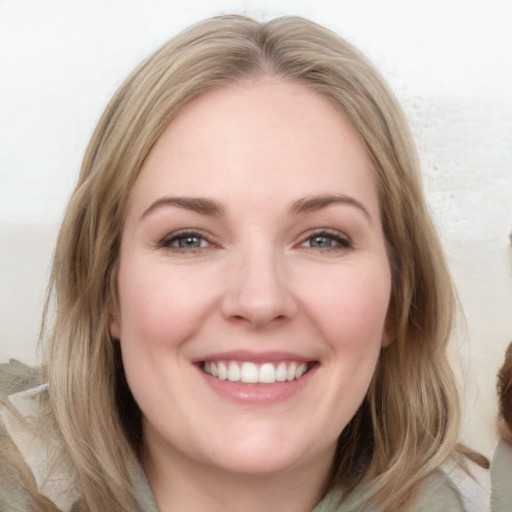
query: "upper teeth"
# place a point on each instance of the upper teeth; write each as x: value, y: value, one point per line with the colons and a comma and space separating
x: 266, y: 373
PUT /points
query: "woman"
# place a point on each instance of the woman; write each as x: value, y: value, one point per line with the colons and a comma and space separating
x: 251, y: 304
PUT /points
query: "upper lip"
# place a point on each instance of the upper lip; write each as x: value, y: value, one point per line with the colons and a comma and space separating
x: 255, y: 357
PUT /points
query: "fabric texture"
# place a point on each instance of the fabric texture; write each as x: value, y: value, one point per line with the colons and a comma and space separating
x: 501, y: 478
x: 23, y: 433
x: 436, y: 495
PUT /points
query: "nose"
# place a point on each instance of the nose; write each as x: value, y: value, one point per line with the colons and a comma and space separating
x: 259, y: 292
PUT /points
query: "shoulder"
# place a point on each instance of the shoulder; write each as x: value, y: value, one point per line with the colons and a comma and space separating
x: 501, y: 478
x: 35, y: 468
x: 436, y: 494
x: 14, y: 376
x: 456, y: 488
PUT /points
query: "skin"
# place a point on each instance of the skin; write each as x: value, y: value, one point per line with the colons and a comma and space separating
x: 268, y: 276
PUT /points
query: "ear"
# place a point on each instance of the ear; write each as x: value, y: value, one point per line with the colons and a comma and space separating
x: 387, y: 338
x: 388, y: 333
x: 114, y: 324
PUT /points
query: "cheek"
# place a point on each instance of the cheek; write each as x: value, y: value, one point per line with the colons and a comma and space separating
x: 351, y: 308
x: 160, y: 305
x: 160, y: 309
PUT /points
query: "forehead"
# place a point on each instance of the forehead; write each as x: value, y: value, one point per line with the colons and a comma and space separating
x: 269, y: 137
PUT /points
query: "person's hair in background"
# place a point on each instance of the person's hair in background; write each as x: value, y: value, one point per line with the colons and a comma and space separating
x: 501, y: 466
x: 505, y: 396
x: 408, y: 425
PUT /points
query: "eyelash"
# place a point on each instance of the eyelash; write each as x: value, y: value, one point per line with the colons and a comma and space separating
x: 168, y: 240
x: 341, y: 242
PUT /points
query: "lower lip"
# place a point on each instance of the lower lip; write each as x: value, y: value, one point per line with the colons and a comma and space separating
x: 257, y: 394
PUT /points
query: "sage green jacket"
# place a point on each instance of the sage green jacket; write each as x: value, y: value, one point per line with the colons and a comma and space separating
x: 437, y: 495
x: 501, y: 478
x: 22, y: 429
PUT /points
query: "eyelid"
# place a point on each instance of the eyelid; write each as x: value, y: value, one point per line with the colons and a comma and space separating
x: 165, y: 241
x: 342, y: 240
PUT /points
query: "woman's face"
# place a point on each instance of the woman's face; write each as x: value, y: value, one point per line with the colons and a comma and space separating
x: 253, y: 281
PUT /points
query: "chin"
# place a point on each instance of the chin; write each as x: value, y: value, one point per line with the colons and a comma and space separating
x: 261, y: 463
x: 269, y: 452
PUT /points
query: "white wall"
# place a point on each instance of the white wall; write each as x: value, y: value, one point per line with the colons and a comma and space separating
x: 449, y: 61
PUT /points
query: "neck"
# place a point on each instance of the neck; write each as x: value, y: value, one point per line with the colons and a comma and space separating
x: 179, y: 484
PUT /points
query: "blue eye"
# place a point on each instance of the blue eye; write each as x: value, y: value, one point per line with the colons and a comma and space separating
x: 188, y: 241
x: 320, y: 241
x: 326, y: 240
x: 185, y: 241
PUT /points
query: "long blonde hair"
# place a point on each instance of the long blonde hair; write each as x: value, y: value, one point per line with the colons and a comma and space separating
x: 409, y: 422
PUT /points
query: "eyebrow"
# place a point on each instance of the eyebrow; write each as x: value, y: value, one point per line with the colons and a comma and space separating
x: 213, y: 208
x: 196, y: 204
x: 315, y: 203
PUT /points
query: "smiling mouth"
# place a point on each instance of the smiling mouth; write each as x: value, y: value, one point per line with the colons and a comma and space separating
x: 252, y: 373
